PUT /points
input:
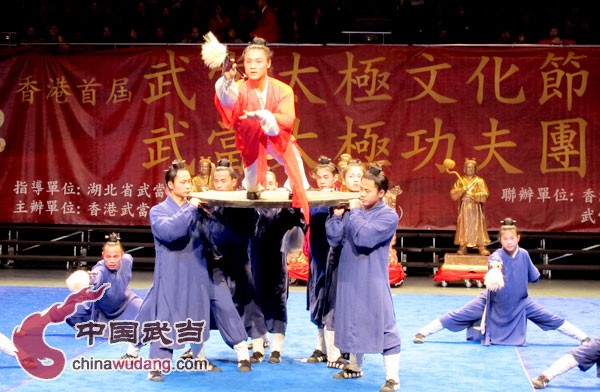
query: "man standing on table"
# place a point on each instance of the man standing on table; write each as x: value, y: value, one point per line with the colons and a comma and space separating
x: 261, y: 109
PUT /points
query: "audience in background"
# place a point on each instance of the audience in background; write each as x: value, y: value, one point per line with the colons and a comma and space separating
x: 309, y: 21
x: 555, y: 39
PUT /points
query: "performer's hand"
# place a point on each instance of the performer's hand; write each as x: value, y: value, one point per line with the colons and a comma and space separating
x: 355, y: 203
x: 339, y: 211
x: 229, y: 69
x: 194, y: 201
x: 493, y: 279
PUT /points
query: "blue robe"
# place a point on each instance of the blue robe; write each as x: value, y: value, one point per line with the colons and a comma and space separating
x: 229, y: 230
x: 506, y: 310
x: 319, y: 252
x: 181, y: 286
x: 225, y: 232
x: 117, y: 303
x: 269, y: 267
x: 364, y: 311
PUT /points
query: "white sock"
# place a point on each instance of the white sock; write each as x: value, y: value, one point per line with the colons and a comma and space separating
x: 7, y: 346
x: 333, y: 353
x: 356, y: 362
x: 258, y: 345
x: 241, y: 349
x: 133, y: 350
x: 563, y: 365
x: 391, y: 365
x: 570, y: 330
x: 321, y: 341
x: 432, y: 327
x: 277, y: 344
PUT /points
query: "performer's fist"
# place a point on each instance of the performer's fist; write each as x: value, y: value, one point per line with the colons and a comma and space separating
x: 493, y: 279
x: 229, y: 68
x: 355, y: 203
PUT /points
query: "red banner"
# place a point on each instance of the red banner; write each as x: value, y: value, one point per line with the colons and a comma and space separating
x: 85, y: 137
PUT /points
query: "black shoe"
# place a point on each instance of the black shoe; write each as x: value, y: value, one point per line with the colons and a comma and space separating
x: 540, y: 382
x: 128, y: 356
x: 203, y: 365
x: 390, y: 386
x: 244, y: 366
x: 337, y: 364
x: 275, y: 357
x: 155, y: 376
x: 347, y: 373
x: 187, y: 355
x: 211, y: 367
x: 317, y: 356
x: 419, y: 338
x: 257, y: 357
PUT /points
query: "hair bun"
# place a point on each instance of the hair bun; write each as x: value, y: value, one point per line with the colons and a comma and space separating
x: 178, y: 164
x: 375, y: 169
x: 323, y: 160
x: 258, y: 41
x: 224, y: 163
x: 113, y: 237
x: 508, y: 222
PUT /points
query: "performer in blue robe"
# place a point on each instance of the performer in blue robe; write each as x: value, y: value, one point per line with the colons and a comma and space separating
x: 225, y: 233
x: 181, y: 287
x: 118, y: 302
x: 364, y: 311
x: 228, y: 231
x: 326, y: 175
x: 269, y: 270
x: 352, y: 174
x: 225, y: 246
x: 503, y: 312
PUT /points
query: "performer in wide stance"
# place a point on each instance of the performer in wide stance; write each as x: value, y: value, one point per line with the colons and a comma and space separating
x: 119, y: 302
x: 503, y: 309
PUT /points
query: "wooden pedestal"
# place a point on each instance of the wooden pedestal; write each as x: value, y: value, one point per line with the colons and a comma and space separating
x: 467, y: 268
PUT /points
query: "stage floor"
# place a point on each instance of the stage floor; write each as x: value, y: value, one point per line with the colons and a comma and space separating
x: 446, y: 362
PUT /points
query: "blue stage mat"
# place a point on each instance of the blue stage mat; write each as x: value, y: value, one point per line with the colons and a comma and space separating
x: 446, y: 362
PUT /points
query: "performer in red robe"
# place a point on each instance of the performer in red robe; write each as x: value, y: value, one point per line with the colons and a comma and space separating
x: 261, y: 109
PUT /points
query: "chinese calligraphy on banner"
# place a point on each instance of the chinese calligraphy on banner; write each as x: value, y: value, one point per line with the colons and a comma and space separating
x: 85, y: 137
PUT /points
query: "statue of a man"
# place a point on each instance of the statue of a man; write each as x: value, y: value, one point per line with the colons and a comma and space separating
x: 471, y: 226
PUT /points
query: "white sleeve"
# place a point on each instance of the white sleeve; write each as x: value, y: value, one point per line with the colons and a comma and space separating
x: 227, y: 92
x: 268, y: 123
